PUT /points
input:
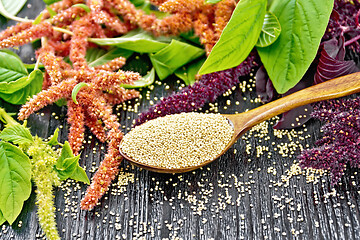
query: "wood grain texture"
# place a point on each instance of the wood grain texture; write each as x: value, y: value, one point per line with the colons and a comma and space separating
x: 235, y: 197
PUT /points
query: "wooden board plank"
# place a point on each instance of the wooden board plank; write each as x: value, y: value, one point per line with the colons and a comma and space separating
x: 236, y: 197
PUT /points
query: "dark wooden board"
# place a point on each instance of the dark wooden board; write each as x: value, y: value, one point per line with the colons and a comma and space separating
x: 232, y: 198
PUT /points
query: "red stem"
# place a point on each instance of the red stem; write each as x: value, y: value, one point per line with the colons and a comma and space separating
x: 347, y: 43
x: 357, y: 18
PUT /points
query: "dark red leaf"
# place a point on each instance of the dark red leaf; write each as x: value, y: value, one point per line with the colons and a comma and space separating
x: 264, y: 87
x: 332, y: 63
x: 298, y: 116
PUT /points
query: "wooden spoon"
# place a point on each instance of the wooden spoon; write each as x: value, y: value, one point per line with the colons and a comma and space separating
x: 242, y: 122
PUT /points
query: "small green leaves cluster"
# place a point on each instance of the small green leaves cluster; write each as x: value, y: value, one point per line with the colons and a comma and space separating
x: 167, y: 55
x: 286, y: 34
x: 25, y: 158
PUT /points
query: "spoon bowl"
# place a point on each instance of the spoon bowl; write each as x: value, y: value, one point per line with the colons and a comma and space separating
x: 242, y: 122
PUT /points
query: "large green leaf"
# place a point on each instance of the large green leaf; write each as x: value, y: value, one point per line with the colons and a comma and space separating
x: 34, y: 84
x: 18, y: 134
x: 15, y: 184
x: 170, y: 58
x: 136, y: 40
x: 270, y: 30
x: 98, y: 56
x: 303, y: 23
x: 12, y: 6
x: 11, y: 67
x: 238, y: 38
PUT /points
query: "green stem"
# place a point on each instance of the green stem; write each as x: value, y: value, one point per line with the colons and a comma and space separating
x: 63, y: 30
x: 6, y: 118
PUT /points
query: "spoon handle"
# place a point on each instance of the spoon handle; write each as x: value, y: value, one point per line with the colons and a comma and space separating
x: 335, y: 88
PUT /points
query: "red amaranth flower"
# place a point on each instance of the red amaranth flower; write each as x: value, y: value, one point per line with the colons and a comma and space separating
x: 11, y: 31
x: 106, y: 172
x: 47, y: 97
x: 76, y: 121
x: 95, y: 126
x: 112, y: 65
x: 51, y: 63
x: 193, y: 97
x: 28, y: 35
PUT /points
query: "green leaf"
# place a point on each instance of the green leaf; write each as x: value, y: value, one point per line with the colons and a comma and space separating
x: 188, y: 73
x: 270, y: 31
x: 13, y: 6
x: 31, y: 66
x: 2, y: 218
x: 170, y: 58
x: 17, y: 134
x: 66, y: 152
x: 76, y: 90
x: 34, y: 84
x: 51, y: 11
x: 191, y: 37
x: 67, y: 165
x: 138, y: 3
x: 98, y: 56
x: 62, y: 164
x: 61, y: 102
x: 83, y: 6
x: 212, y: 1
x: 80, y: 175
x: 136, y: 40
x: 303, y: 23
x: 49, y: 2
x: 13, y: 86
x: 148, y: 8
x: 54, y: 139
x: 7, y: 118
x: 11, y: 66
x: 145, y: 81
x: 38, y: 18
x: 238, y: 37
x: 15, y: 184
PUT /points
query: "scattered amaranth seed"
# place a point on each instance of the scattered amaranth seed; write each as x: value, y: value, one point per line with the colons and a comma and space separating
x: 179, y: 140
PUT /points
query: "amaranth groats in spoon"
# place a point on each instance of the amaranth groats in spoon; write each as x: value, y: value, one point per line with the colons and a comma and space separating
x: 175, y: 144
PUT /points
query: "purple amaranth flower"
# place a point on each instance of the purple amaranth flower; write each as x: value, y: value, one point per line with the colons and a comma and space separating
x: 344, y: 21
x: 339, y: 147
x: 193, y: 97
